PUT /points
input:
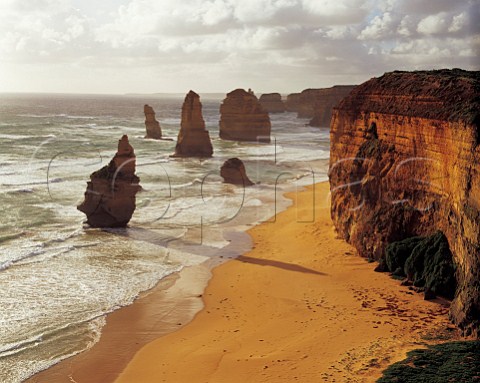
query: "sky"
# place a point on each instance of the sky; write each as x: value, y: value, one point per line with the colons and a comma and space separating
x: 171, y: 46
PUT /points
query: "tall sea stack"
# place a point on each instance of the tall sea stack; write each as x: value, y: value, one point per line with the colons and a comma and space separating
x: 110, y: 195
x: 242, y: 118
x: 405, y: 162
x: 193, y: 139
x: 151, y: 124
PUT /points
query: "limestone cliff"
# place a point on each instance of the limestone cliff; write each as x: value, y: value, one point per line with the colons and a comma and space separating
x: 317, y: 104
x: 272, y: 102
x: 110, y: 195
x: 193, y: 139
x: 151, y: 124
x: 405, y: 162
x: 233, y: 172
x: 242, y: 118
x: 324, y: 102
x: 292, y: 102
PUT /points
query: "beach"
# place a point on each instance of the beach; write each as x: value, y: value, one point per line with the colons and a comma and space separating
x: 301, y: 306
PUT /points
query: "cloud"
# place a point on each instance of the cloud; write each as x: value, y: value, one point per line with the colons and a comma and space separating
x: 303, y: 40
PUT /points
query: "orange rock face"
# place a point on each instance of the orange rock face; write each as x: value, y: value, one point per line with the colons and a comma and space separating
x: 405, y: 161
x: 272, y: 102
x: 151, y: 124
x: 193, y: 139
x: 233, y: 172
x: 110, y: 195
x: 242, y: 118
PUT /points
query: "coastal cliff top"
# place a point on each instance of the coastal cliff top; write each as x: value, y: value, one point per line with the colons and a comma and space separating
x: 446, y: 94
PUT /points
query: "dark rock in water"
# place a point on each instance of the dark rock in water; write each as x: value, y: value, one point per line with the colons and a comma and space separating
x: 110, y: 195
x: 151, y: 124
x: 233, y: 172
x: 242, y: 118
x: 272, y: 102
x: 193, y: 138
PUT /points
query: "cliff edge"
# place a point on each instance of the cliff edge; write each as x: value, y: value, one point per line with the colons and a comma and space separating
x: 405, y: 162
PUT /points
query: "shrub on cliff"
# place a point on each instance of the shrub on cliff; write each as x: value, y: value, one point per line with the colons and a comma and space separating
x: 443, y: 363
x: 426, y: 261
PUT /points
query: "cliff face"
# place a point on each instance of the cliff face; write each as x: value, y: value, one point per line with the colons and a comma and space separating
x: 242, y: 118
x: 405, y: 161
x: 193, y: 139
x: 151, y: 124
x: 110, y: 195
x: 324, y: 102
x: 272, y: 102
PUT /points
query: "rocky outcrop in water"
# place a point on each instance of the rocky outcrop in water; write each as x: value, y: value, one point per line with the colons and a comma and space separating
x: 272, y: 102
x: 193, y: 138
x: 405, y: 162
x: 233, y: 172
x: 242, y: 118
x: 110, y: 195
x: 151, y: 124
x: 292, y: 103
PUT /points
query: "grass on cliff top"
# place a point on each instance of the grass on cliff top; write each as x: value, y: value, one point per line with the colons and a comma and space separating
x: 443, y: 363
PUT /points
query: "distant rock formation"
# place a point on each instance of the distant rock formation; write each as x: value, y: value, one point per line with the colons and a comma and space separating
x: 151, y: 124
x: 405, y: 162
x: 325, y: 101
x: 233, y: 172
x: 193, y: 139
x: 272, y: 102
x: 110, y: 195
x: 242, y: 118
x: 292, y: 103
x: 317, y: 104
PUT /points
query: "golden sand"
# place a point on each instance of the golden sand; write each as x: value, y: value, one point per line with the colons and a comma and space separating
x: 301, y: 306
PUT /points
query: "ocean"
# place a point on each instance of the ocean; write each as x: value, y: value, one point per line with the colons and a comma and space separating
x: 59, y: 277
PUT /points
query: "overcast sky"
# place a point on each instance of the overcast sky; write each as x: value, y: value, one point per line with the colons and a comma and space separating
x: 150, y: 46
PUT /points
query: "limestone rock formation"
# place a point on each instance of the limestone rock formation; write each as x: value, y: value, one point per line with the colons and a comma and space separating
x: 242, y: 118
x: 233, y: 172
x: 193, y: 139
x: 151, y: 124
x: 110, y: 195
x: 324, y: 102
x: 293, y: 102
x: 272, y: 102
x: 405, y: 162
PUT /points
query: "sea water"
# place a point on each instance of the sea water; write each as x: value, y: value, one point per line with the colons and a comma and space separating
x: 58, y: 277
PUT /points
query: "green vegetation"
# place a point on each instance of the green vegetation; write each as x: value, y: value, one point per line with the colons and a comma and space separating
x: 443, y: 363
x: 426, y: 261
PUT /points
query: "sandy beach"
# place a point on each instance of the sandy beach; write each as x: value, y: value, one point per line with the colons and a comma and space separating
x: 301, y: 306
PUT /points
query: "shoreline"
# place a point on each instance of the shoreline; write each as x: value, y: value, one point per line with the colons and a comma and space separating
x: 325, y: 315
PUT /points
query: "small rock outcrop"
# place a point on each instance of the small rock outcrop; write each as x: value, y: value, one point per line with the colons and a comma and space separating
x: 151, y: 124
x: 242, y: 118
x: 233, y: 172
x: 405, y: 162
x: 110, y: 195
x: 193, y: 138
x: 272, y: 102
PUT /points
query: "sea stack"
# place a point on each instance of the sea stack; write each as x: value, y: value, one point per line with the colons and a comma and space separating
x: 151, y: 124
x: 272, y: 102
x: 193, y: 139
x: 233, y: 172
x: 405, y: 163
x: 242, y: 118
x: 110, y: 195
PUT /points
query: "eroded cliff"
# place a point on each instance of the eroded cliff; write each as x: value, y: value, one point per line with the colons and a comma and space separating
x: 152, y: 126
x: 110, y: 195
x: 272, y: 102
x: 242, y: 118
x: 193, y: 138
x: 405, y: 162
